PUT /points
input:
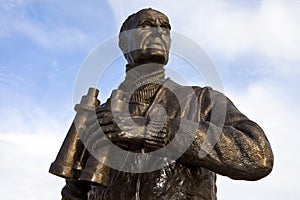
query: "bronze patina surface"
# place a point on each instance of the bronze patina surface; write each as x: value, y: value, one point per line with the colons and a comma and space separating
x: 241, y: 150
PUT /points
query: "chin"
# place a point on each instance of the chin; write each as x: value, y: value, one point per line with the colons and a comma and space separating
x: 148, y: 56
x: 156, y: 56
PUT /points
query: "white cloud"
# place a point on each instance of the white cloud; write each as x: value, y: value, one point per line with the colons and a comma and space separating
x: 270, y: 105
x: 269, y: 29
x: 30, y: 138
x: 25, y: 160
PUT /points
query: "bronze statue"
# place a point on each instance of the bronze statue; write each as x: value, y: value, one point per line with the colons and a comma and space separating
x: 241, y: 150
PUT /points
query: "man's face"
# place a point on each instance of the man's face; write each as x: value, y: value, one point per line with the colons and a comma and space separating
x: 149, y: 41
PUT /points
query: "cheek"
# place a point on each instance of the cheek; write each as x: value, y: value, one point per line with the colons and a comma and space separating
x: 167, y: 40
x: 137, y: 40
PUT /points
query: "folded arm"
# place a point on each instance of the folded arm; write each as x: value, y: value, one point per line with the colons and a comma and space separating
x: 237, y: 148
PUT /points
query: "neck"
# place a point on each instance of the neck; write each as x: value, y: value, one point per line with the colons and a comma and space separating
x: 140, y: 75
x: 143, y: 81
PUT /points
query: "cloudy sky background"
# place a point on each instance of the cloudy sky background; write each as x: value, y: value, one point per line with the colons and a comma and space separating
x: 255, y: 48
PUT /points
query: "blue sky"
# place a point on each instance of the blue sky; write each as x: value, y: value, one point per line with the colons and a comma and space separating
x: 254, y: 46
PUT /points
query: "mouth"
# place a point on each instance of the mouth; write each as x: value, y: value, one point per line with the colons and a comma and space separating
x: 155, y: 45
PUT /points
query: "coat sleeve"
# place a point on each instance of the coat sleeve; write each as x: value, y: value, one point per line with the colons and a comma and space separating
x: 226, y: 141
x: 75, y: 190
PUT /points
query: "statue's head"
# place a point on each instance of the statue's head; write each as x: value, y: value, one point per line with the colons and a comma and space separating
x: 145, y: 37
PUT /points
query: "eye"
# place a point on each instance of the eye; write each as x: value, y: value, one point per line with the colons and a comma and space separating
x: 146, y: 24
x: 164, y: 26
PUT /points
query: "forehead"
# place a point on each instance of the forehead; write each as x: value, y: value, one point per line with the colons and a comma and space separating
x: 151, y: 15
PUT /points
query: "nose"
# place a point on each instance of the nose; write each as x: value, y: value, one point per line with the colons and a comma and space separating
x: 157, y: 26
x: 158, y: 31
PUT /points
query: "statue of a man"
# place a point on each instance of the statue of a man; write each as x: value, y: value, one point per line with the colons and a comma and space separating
x: 241, y: 149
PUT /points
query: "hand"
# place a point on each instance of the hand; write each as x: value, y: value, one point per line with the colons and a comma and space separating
x: 157, y: 132
x: 118, y: 127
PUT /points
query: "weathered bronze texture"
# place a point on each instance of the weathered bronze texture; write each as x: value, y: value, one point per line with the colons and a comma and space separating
x: 72, y: 158
x: 241, y: 151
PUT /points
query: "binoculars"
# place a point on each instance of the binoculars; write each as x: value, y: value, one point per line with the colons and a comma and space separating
x: 73, y: 160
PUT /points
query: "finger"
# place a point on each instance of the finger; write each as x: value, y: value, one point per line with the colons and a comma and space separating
x: 110, y: 128
x: 113, y: 136
x: 123, y: 145
x: 105, y: 121
x: 103, y: 109
x: 104, y: 114
x: 156, y: 140
x: 128, y: 122
x: 99, y: 137
x: 154, y: 145
x: 110, y: 137
x: 124, y: 137
x: 160, y: 136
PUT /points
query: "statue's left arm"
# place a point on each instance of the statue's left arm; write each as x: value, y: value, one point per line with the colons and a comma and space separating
x: 241, y: 149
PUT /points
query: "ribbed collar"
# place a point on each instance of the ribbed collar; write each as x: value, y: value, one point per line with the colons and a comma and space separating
x: 143, y: 81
